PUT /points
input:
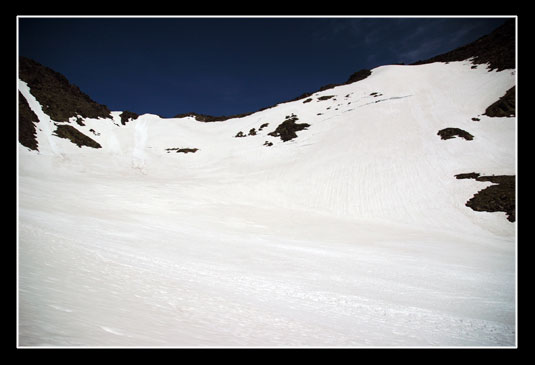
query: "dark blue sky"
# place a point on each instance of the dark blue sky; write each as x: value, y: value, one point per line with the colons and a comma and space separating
x: 225, y: 66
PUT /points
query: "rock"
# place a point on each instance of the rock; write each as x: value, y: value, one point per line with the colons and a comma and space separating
x: 182, y: 150
x: 504, y: 107
x: 495, y: 198
x: 286, y: 130
x: 27, y: 120
x: 127, y: 116
x: 75, y: 136
x: 59, y: 99
x: 448, y: 133
x: 358, y: 76
x: 496, y: 49
x: 326, y: 97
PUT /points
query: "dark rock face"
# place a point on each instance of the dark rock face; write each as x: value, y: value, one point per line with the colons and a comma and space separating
x: 497, y: 49
x: 210, y: 118
x: 468, y: 175
x: 448, y: 133
x: 495, y: 198
x: 286, y: 130
x: 27, y: 120
x: 358, y: 76
x: 75, y: 136
x: 326, y: 97
x: 504, y: 107
x: 127, y: 116
x: 58, y: 98
x: 263, y: 126
x: 182, y: 150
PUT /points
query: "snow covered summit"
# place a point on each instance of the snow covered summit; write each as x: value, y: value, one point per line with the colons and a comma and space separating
x: 337, y: 219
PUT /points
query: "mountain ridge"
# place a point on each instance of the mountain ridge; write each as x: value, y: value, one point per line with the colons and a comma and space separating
x: 60, y: 99
x: 51, y: 89
x: 497, y: 49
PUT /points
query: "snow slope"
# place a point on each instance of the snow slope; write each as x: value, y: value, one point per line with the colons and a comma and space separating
x: 354, y: 234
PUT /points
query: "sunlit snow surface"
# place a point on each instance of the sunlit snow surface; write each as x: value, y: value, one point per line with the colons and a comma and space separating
x: 355, y: 234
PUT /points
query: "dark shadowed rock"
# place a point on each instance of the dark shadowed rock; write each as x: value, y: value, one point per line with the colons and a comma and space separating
x: 27, y: 120
x: 496, y: 49
x: 59, y: 99
x: 127, y: 116
x: 182, y: 150
x: 210, y: 118
x: 286, y: 130
x: 504, y: 107
x: 495, y: 198
x: 448, y: 133
x: 468, y: 175
x: 75, y: 136
x: 325, y: 97
x: 358, y: 76
x: 263, y: 126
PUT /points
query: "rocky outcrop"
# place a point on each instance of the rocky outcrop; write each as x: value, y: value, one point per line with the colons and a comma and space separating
x: 210, y: 118
x: 75, y: 136
x: 27, y: 120
x: 504, y: 107
x: 182, y: 150
x: 286, y: 130
x: 496, y: 49
x: 448, y: 133
x: 495, y: 198
x: 59, y: 98
x: 127, y: 116
x: 358, y: 76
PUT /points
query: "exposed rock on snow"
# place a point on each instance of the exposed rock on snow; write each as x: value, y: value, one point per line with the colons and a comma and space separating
x: 448, y: 133
x: 75, y: 136
x: 211, y: 118
x: 182, y: 150
x: 127, y: 116
x: 27, y: 120
x: 504, y: 107
x: 495, y: 198
x: 325, y: 97
x: 263, y: 126
x: 358, y: 76
x: 496, y: 49
x: 59, y: 98
x: 286, y: 130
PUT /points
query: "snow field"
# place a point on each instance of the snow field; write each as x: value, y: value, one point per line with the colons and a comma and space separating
x: 353, y: 234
